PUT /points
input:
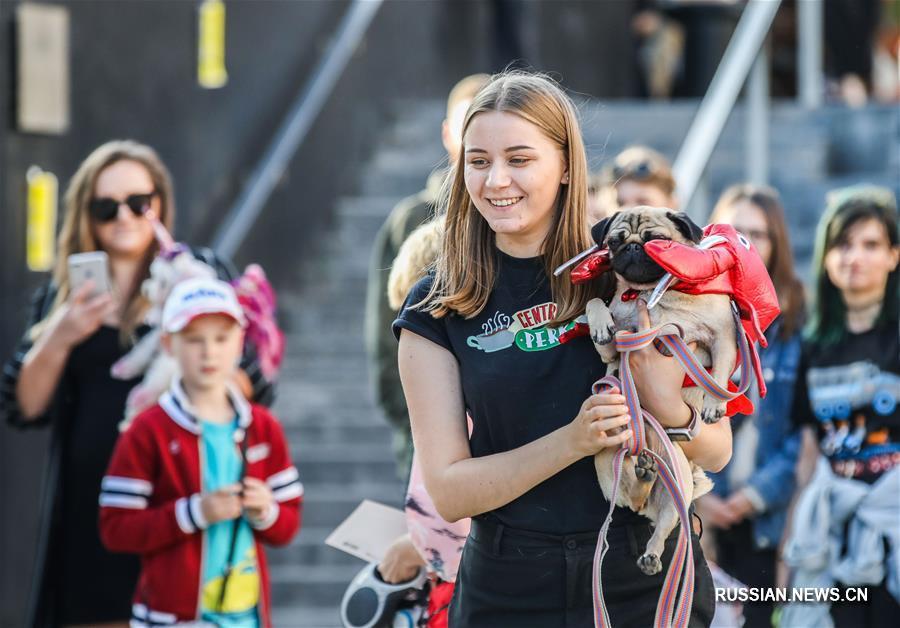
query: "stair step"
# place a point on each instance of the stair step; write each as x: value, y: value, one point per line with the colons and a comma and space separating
x: 321, y: 587
x: 354, y: 207
x: 293, y: 616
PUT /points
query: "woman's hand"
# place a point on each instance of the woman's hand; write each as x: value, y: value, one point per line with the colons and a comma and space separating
x: 80, y: 317
x: 740, y: 506
x: 714, y: 511
x: 44, y: 363
x: 401, y: 562
x: 658, y: 379
x: 597, y: 425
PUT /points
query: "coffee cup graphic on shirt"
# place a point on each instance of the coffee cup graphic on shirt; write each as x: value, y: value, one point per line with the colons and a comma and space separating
x: 492, y: 342
x: 496, y: 335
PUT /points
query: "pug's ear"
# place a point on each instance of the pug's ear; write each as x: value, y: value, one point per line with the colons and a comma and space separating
x: 600, y: 230
x: 687, y: 227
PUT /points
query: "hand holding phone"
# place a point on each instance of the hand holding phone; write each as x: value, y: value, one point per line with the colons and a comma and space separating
x: 92, y: 266
x: 89, y: 303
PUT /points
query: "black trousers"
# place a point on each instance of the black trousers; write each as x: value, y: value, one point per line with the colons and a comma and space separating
x: 514, y: 578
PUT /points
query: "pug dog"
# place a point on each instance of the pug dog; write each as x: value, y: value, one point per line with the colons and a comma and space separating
x: 706, y: 321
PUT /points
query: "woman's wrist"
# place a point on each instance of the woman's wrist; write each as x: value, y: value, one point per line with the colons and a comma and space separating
x: 55, y: 342
x: 679, y: 417
x: 569, y: 444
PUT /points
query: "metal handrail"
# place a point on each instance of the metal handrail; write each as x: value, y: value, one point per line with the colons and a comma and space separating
x: 709, y: 121
x: 810, y: 78
x: 293, y: 130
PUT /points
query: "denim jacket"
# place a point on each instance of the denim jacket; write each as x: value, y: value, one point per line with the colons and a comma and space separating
x: 772, y: 480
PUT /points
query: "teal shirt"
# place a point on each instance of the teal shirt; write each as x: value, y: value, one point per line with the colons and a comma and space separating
x: 222, y: 466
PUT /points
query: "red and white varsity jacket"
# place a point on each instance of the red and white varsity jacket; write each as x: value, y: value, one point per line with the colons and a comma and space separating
x: 150, y: 503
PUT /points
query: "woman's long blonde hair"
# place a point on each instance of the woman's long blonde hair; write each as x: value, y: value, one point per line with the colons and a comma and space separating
x: 77, y: 233
x: 465, y: 270
x: 788, y: 286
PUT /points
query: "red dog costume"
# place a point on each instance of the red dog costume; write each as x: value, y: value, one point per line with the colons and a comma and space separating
x: 729, y: 266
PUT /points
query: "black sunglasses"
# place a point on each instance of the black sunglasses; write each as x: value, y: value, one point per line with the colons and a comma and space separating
x: 640, y: 170
x: 106, y: 209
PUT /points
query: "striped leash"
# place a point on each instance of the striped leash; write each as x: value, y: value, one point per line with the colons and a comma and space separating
x: 672, y: 610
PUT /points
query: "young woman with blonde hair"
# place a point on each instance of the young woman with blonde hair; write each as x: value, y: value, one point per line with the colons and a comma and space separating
x: 480, y: 335
x: 60, y: 376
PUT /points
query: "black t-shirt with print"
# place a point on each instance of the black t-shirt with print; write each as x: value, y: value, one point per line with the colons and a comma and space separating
x: 519, y: 384
x: 850, y: 391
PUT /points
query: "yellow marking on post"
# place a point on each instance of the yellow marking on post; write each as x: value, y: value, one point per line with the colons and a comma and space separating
x: 42, y: 200
x: 211, y: 72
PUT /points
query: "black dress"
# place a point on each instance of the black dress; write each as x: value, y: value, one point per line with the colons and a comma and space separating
x: 81, y: 565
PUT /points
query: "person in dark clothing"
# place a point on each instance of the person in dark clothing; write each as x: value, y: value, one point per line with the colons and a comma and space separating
x: 846, y: 402
x: 746, y: 511
x: 60, y: 377
x: 480, y: 336
x: 507, y: 35
x: 850, y: 27
x: 403, y: 220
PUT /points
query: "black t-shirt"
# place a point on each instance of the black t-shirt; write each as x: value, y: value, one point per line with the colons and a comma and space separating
x: 519, y: 384
x: 850, y: 391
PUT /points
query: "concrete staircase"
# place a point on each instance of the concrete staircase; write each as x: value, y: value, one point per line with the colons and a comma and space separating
x: 340, y: 441
x: 810, y: 153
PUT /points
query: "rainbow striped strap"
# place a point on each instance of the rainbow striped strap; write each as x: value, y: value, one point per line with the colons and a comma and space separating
x: 601, y: 614
x: 675, y: 602
x: 672, y: 338
x: 673, y: 609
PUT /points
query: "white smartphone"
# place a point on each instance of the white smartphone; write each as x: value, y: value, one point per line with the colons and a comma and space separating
x: 93, y: 266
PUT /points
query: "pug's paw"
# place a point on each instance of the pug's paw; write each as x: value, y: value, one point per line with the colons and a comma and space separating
x: 649, y: 564
x: 712, y: 411
x: 600, y: 321
x: 645, y: 467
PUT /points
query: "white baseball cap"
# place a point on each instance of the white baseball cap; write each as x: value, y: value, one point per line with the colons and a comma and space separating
x: 196, y: 297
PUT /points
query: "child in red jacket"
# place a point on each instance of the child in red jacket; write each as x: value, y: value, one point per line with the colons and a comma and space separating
x: 198, y: 482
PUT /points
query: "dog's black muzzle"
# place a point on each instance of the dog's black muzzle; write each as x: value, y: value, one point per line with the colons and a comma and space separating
x: 634, y: 265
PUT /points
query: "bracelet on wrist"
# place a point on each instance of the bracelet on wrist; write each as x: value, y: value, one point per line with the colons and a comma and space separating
x: 689, y: 431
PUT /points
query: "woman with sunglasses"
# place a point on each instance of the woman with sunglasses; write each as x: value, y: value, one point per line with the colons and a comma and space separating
x: 844, y: 529
x: 746, y: 511
x: 60, y: 376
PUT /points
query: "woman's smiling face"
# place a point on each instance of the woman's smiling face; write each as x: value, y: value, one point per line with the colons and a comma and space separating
x: 513, y: 173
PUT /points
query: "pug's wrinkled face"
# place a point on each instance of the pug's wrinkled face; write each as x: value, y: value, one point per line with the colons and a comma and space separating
x: 626, y: 232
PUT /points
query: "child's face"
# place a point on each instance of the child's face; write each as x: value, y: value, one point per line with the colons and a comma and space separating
x: 631, y: 193
x: 207, y: 350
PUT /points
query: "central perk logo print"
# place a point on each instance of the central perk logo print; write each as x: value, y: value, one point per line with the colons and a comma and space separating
x: 496, y: 334
x: 526, y: 329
